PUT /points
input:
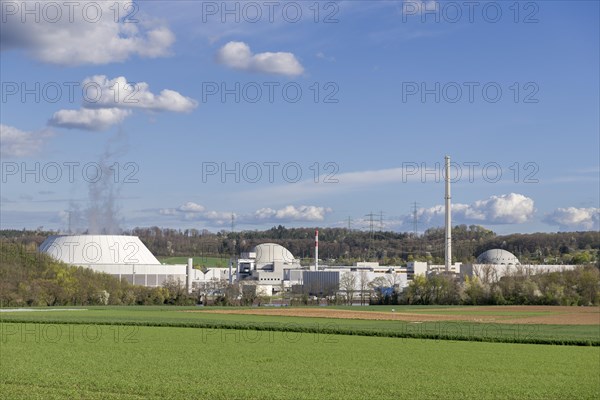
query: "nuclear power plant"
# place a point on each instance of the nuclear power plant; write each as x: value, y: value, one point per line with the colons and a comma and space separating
x: 270, y: 267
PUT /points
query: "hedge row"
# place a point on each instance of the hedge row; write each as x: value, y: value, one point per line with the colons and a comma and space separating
x: 292, y: 327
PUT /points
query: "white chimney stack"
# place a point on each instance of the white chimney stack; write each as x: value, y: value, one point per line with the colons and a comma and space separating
x: 188, y: 275
x: 316, y: 250
x: 448, y: 197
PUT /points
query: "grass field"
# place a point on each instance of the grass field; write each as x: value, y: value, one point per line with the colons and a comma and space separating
x: 169, y: 352
x: 209, y: 262
x: 205, y: 317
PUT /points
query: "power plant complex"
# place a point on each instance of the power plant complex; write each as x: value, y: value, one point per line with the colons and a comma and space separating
x: 270, y: 268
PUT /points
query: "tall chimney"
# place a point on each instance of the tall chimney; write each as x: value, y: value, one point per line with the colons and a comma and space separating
x: 188, y: 275
x: 448, y: 197
x: 316, y: 250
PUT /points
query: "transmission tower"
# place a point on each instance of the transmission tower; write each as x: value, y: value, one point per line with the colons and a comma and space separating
x: 371, y: 216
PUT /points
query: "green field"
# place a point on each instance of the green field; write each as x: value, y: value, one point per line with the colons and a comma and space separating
x: 106, y: 362
x: 176, y: 317
x: 164, y: 353
x: 208, y: 262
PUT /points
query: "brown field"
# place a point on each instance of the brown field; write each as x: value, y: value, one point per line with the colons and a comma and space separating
x: 554, y: 315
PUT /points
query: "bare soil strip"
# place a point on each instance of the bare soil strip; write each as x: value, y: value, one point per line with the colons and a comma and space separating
x: 555, y: 316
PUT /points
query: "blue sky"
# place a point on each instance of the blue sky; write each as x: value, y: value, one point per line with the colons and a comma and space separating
x: 387, y: 89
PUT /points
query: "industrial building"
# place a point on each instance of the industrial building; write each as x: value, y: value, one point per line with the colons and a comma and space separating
x: 271, y: 268
x: 124, y: 257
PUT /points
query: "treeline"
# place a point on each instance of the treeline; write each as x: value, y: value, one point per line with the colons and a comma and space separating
x: 578, y: 287
x: 28, y: 278
x: 340, y: 246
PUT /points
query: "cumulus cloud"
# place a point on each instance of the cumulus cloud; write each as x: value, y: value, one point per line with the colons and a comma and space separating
x: 84, y: 32
x: 89, y: 119
x: 573, y: 218
x: 191, y: 207
x: 292, y: 213
x: 108, y: 102
x: 194, y: 211
x: 102, y: 92
x: 237, y: 55
x: 197, y: 212
x: 17, y: 143
x: 510, y: 208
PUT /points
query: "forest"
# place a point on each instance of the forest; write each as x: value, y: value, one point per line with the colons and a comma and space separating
x: 340, y: 246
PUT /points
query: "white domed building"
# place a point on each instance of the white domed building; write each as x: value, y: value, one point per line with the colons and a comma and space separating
x: 87, y: 250
x: 498, y: 257
x: 268, y: 264
x: 493, y: 264
x: 125, y: 258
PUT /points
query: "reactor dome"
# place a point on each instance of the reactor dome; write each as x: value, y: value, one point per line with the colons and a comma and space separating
x: 98, y: 249
x: 268, y: 253
x: 497, y: 257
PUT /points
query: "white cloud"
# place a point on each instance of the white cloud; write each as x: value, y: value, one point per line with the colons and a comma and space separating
x: 89, y: 119
x: 290, y: 213
x: 194, y: 211
x: 237, y: 55
x: 102, y: 92
x: 108, y: 102
x: 191, y: 207
x: 510, y: 208
x: 17, y: 143
x: 575, y: 218
x: 83, y: 32
x: 323, y: 56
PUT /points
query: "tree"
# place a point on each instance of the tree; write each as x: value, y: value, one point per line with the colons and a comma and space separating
x: 363, y: 283
x: 348, y: 285
x: 380, y: 286
x: 473, y: 291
